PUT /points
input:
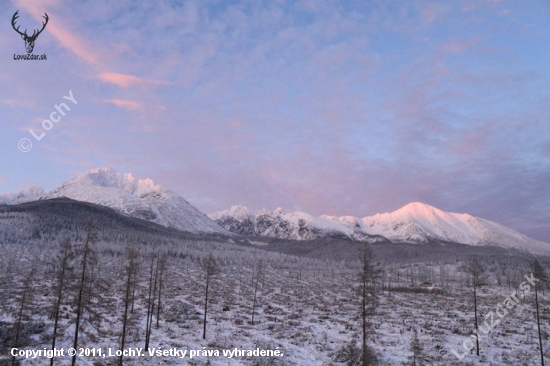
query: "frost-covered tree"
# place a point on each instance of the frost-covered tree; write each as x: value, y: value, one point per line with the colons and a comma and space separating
x: 256, y: 278
x: 211, y: 270
x: 161, y: 267
x: 368, y: 277
x: 88, y: 257
x: 540, y: 274
x: 131, y: 273
x: 415, y: 347
x: 478, y: 279
x: 23, y: 304
x: 153, y: 278
x: 63, y: 263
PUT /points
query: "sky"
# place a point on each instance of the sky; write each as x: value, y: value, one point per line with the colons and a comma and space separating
x: 328, y: 107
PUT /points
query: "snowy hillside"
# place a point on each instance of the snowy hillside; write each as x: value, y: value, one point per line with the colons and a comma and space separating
x: 277, y: 224
x: 27, y: 195
x: 140, y: 198
x: 295, y: 225
x: 415, y: 222
x: 419, y: 222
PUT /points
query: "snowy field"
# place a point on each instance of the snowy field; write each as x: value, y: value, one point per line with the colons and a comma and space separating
x: 305, y: 308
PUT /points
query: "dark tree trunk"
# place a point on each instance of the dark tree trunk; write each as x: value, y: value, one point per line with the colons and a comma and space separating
x: 66, y: 247
x: 475, y: 318
x: 22, y: 303
x: 205, y: 306
x: 82, y: 284
x: 538, y: 325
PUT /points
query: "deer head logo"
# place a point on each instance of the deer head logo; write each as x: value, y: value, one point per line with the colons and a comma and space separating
x: 29, y: 40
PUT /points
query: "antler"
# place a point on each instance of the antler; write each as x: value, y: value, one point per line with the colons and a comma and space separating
x: 43, y: 24
x: 34, y: 34
x: 15, y: 16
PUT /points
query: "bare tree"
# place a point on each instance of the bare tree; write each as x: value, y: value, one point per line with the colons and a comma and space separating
x: 540, y: 274
x: 87, y: 253
x: 369, y: 277
x: 22, y: 304
x: 134, y: 284
x: 64, y: 263
x: 211, y: 270
x: 131, y: 255
x: 416, y: 347
x: 161, y: 267
x: 151, y: 300
x: 478, y: 279
x: 256, y: 278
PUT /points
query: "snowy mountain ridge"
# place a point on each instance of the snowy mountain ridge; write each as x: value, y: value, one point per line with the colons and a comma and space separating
x: 277, y: 224
x: 140, y: 198
x: 414, y: 222
x: 27, y: 195
x: 144, y: 199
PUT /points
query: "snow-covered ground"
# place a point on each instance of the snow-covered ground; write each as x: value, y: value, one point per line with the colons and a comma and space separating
x: 308, y: 309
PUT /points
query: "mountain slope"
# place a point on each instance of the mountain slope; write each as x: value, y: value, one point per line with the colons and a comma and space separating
x: 419, y: 222
x: 297, y: 225
x: 415, y: 222
x: 277, y: 224
x: 140, y: 198
x: 27, y: 195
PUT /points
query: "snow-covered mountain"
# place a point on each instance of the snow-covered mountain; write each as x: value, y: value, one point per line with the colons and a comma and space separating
x: 140, y: 198
x: 27, y: 195
x: 419, y: 222
x: 415, y: 222
x: 277, y: 224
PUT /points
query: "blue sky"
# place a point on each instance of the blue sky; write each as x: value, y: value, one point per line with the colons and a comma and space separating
x: 330, y: 107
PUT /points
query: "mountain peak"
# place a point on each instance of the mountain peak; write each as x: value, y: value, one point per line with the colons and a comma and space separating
x: 415, y: 222
x: 141, y: 198
x: 238, y: 212
x: 27, y: 195
x: 418, y: 209
x: 110, y: 178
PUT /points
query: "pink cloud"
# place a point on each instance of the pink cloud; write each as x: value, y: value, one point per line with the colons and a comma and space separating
x: 17, y: 103
x: 126, y: 104
x: 125, y: 80
x: 121, y: 80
